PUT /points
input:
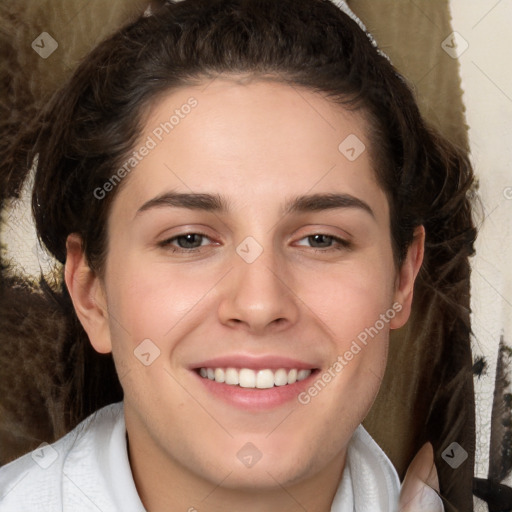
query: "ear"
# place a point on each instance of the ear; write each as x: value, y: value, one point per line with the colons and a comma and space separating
x: 404, y: 285
x: 87, y: 294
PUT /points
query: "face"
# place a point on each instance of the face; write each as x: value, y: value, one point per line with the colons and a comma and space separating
x: 250, y: 243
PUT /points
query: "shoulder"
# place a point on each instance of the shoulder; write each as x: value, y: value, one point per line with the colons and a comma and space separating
x: 40, y: 479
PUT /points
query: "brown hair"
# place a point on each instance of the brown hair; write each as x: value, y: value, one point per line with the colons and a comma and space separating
x: 92, y: 123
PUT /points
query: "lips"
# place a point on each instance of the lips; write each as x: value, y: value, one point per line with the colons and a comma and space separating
x: 254, y: 362
x: 255, y: 382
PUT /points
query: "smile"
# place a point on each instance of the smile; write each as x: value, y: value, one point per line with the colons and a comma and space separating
x: 256, y: 379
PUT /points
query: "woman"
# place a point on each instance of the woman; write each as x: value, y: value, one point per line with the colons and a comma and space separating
x: 240, y: 192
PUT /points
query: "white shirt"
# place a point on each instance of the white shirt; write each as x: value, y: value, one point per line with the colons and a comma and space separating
x: 88, y: 470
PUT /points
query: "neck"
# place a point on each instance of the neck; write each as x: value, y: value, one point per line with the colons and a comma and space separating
x: 164, y: 484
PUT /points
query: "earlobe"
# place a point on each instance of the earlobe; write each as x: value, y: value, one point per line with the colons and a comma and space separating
x: 87, y: 294
x: 406, y: 277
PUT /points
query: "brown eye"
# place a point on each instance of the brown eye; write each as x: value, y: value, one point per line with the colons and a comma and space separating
x: 184, y: 241
x: 189, y: 241
x: 321, y: 241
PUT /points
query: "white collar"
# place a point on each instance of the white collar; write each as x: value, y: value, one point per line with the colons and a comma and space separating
x: 369, y: 482
x: 98, y: 466
x: 89, y: 469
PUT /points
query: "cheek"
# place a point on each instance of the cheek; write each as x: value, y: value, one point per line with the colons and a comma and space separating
x: 355, y: 304
x: 349, y: 298
x: 151, y: 308
x: 152, y: 300
x: 160, y: 302
x: 356, y: 310
x: 149, y: 300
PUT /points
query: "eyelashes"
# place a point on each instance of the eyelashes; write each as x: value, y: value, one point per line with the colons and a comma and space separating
x: 191, y: 242
x: 183, y: 237
x: 341, y: 243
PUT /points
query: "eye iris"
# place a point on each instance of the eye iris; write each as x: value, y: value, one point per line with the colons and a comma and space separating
x: 319, y: 238
x: 189, y: 242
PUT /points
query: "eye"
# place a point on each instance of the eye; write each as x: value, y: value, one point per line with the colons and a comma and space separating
x: 185, y: 242
x: 323, y: 243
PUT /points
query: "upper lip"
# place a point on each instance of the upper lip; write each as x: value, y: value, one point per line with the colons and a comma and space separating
x: 253, y: 362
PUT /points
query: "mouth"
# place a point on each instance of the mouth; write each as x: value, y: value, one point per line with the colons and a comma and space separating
x: 255, y: 379
x: 255, y: 383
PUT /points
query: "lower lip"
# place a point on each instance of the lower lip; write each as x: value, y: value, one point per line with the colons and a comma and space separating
x: 257, y: 399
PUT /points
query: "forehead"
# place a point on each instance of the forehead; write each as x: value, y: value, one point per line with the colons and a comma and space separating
x: 256, y: 141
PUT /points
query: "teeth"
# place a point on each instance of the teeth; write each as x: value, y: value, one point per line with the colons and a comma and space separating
x: 260, y: 379
x: 265, y: 379
x: 292, y: 376
x: 247, y: 378
x: 231, y: 376
x: 303, y: 374
x: 281, y: 377
x: 220, y: 376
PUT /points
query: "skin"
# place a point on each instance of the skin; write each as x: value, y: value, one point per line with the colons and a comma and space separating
x: 258, y: 144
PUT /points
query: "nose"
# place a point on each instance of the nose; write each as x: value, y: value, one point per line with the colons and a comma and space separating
x: 258, y: 297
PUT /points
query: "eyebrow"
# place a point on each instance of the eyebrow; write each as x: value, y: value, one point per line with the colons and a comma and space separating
x: 319, y: 202
x: 216, y: 203
x: 205, y: 202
